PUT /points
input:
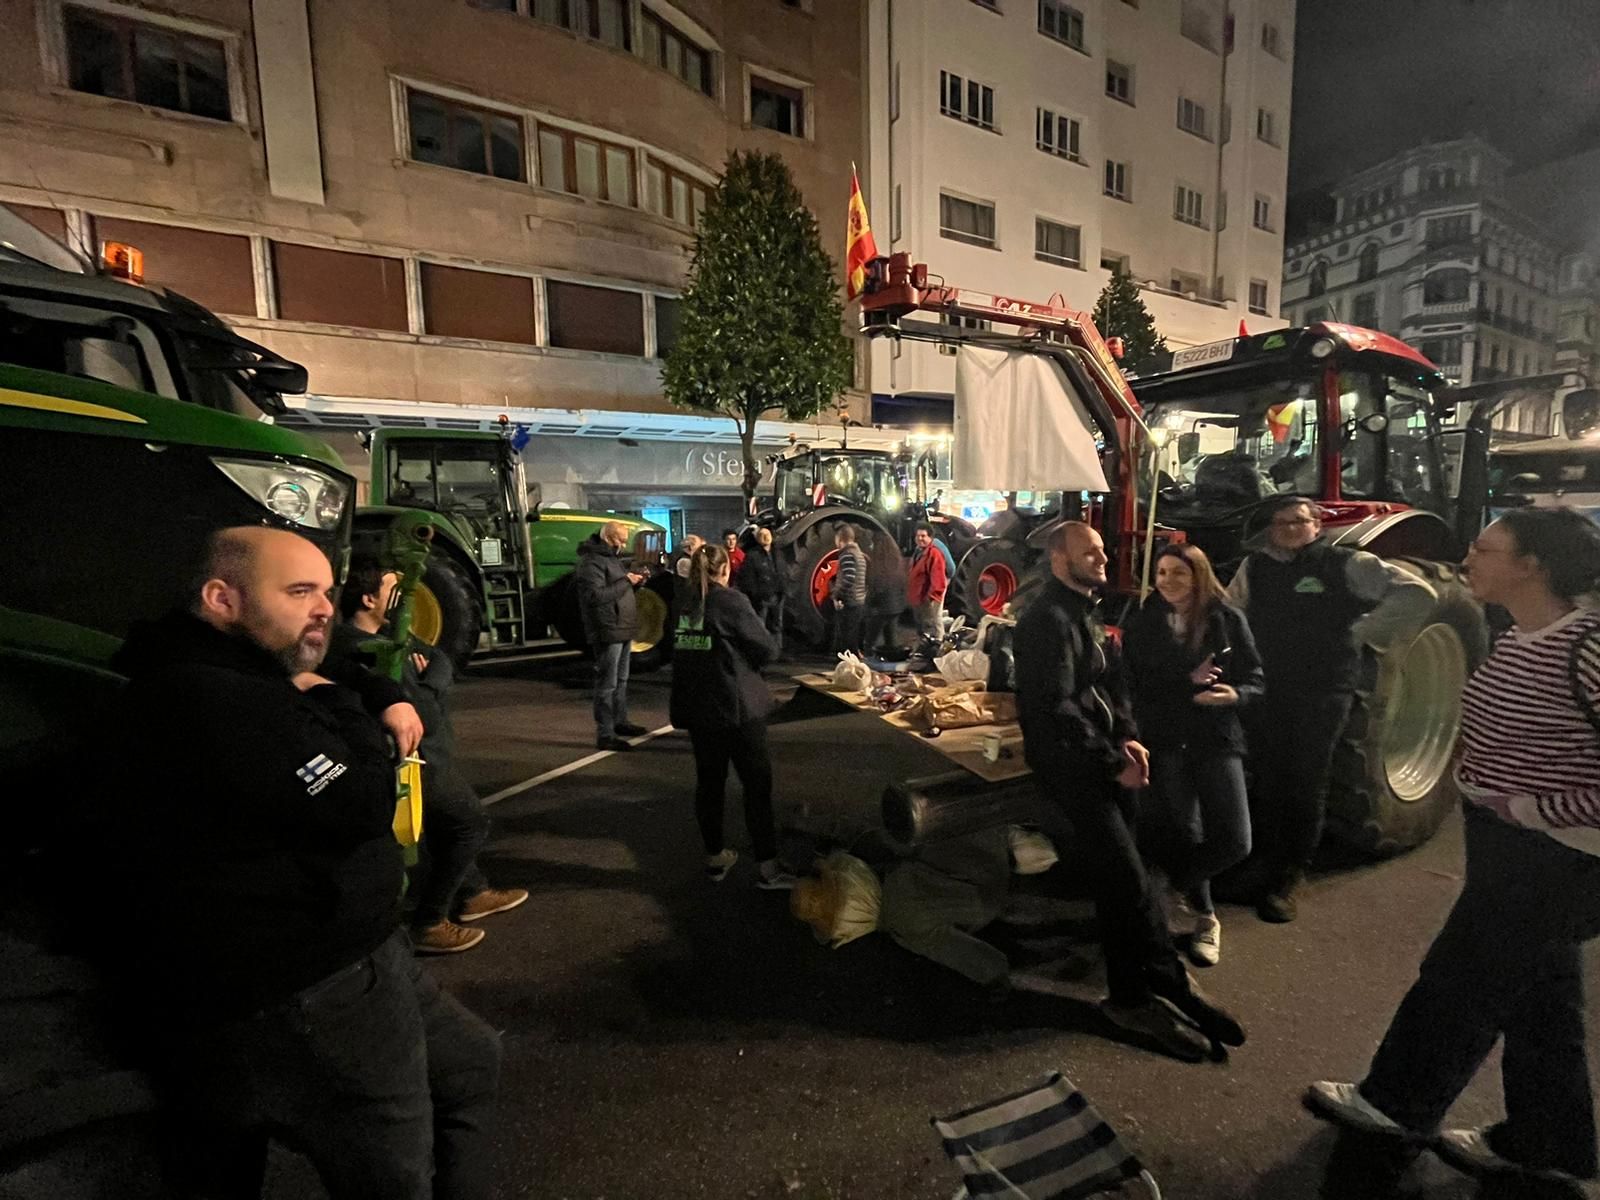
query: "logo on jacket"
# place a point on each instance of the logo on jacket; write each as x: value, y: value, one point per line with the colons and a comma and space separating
x: 1310, y: 585
x: 319, y: 773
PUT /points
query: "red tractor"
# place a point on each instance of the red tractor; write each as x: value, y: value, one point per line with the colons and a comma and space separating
x: 1347, y: 416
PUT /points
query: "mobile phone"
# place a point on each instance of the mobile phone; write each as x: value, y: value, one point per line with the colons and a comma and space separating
x: 1221, y: 656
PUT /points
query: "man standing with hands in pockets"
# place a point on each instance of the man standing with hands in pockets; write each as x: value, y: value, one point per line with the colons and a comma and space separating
x: 1081, y: 743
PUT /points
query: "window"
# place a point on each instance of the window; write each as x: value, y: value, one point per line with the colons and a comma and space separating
x: 1117, y: 180
x: 1271, y: 39
x: 1367, y: 263
x: 1188, y: 206
x: 150, y: 64
x: 1119, y: 81
x: 1494, y: 356
x: 674, y: 52
x: 1054, y: 243
x: 1266, y: 128
x: 1262, y: 217
x: 1198, y: 23
x: 1317, y: 281
x: 1055, y: 134
x: 1258, y: 296
x: 777, y: 106
x: 1364, y: 310
x: 1111, y: 261
x: 584, y: 166
x: 970, y: 221
x: 556, y: 12
x: 1442, y: 352
x: 450, y: 134
x: 1445, y: 231
x: 1061, y: 22
x: 966, y: 100
x: 674, y: 195
x: 1184, y: 283
x: 213, y: 268
x: 332, y: 287
x: 1449, y: 286
x: 1192, y: 117
x: 604, y: 320
x: 605, y: 21
x: 669, y: 321
x: 477, y: 304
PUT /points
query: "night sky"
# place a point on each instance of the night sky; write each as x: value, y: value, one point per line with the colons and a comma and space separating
x: 1373, y: 77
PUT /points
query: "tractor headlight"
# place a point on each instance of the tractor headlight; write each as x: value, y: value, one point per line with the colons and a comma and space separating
x: 1321, y: 348
x: 297, y: 494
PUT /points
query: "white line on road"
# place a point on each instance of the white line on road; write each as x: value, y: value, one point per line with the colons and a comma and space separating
x: 517, y: 789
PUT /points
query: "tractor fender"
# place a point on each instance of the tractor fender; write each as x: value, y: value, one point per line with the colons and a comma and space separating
x: 791, y: 530
x: 1409, y: 533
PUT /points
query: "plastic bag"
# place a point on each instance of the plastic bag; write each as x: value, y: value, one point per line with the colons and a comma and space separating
x: 1031, y: 852
x: 852, y: 675
x: 842, y: 903
x: 961, y: 666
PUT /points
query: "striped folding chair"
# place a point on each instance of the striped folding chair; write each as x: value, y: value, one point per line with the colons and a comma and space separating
x: 1047, y: 1143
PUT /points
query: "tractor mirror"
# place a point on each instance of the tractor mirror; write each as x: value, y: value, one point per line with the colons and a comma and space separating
x: 1580, y: 412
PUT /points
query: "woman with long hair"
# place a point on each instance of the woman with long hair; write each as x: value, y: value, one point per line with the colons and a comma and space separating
x: 1508, y: 963
x: 1192, y: 665
x: 719, y: 697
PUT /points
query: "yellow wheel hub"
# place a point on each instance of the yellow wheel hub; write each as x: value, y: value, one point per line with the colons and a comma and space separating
x: 652, y: 621
x: 427, y: 617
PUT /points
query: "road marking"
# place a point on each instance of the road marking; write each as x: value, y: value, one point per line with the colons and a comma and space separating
x: 526, y: 785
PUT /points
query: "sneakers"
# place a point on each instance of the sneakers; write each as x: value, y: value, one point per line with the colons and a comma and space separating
x: 1343, y: 1104
x: 629, y: 729
x: 1277, y: 906
x: 1216, y: 1022
x: 445, y: 937
x: 490, y: 901
x: 1157, y: 1023
x: 1205, y: 943
x: 771, y: 877
x: 718, y: 865
x: 612, y: 743
x: 1470, y: 1151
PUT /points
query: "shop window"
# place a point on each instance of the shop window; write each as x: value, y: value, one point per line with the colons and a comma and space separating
x: 604, y: 320
x: 111, y: 55
x: 477, y: 304
x: 333, y: 287
x: 213, y: 269
x: 450, y: 134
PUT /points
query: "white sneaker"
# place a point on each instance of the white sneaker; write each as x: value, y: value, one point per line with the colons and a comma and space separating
x: 1468, y: 1150
x: 1205, y: 943
x: 772, y: 877
x: 1343, y: 1104
x: 718, y: 865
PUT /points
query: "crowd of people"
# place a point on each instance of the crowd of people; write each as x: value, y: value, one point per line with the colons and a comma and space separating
x: 292, y: 1006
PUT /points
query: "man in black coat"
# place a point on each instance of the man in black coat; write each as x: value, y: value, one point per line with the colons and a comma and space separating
x: 610, y: 619
x: 271, y: 984
x: 762, y: 581
x: 1081, y: 744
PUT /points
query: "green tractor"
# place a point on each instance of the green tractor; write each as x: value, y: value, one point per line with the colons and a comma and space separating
x: 501, y: 570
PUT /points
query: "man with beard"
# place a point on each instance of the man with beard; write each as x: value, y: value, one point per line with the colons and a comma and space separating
x: 258, y: 883
x: 1080, y: 742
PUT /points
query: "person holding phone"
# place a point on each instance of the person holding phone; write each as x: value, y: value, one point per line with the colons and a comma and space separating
x: 1192, y: 665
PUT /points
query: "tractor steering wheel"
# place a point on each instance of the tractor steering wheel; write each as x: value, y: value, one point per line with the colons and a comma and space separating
x: 1252, y: 525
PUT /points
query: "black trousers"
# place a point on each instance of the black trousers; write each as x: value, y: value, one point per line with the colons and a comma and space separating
x: 454, y: 827
x: 1507, y: 964
x: 1097, y: 822
x: 849, y: 627
x: 745, y: 747
x: 1292, y: 738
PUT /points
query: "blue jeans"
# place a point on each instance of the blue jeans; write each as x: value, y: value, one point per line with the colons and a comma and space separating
x: 1197, y: 819
x: 611, y: 663
x: 383, y: 1081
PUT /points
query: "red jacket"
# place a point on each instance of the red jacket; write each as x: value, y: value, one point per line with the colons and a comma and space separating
x: 926, y: 580
x: 735, y: 561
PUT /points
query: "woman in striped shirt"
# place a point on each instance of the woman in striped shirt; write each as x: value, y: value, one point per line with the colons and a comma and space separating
x: 1508, y: 963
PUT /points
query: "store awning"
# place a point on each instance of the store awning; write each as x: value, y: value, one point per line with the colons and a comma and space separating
x: 1021, y: 426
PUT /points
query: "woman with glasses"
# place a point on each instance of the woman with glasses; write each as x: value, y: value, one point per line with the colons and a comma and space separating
x: 1507, y: 963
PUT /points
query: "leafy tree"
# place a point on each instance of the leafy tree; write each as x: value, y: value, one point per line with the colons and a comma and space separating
x: 761, y: 327
x: 1120, y: 312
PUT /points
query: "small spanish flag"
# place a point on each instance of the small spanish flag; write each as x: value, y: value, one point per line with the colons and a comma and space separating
x: 859, y: 248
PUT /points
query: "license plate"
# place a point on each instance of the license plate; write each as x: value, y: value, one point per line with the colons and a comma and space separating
x: 1197, y: 356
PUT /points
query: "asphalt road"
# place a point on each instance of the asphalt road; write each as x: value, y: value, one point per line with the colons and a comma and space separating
x: 666, y: 1037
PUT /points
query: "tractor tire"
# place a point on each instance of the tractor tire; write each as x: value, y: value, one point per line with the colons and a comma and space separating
x: 810, y: 562
x: 987, y: 577
x: 1391, y: 783
x: 446, y: 611
x: 658, y: 611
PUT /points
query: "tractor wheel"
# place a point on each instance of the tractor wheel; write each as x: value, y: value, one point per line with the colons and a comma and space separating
x: 445, y: 612
x: 986, y: 579
x: 811, y: 561
x: 658, y: 615
x: 1391, y: 783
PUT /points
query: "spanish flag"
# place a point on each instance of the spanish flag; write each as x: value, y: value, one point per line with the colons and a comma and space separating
x: 859, y: 248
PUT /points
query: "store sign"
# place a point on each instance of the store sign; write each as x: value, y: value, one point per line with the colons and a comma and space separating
x: 715, y: 464
x: 662, y: 466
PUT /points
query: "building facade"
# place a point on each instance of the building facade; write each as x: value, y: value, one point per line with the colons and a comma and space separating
x: 1432, y: 247
x: 447, y: 209
x: 1025, y: 147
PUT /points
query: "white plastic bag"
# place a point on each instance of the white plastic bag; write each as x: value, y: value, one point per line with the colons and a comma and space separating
x: 1031, y: 852
x: 852, y: 675
x: 963, y: 666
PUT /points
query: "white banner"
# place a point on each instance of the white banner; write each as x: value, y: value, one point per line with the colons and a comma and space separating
x: 1020, y: 426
